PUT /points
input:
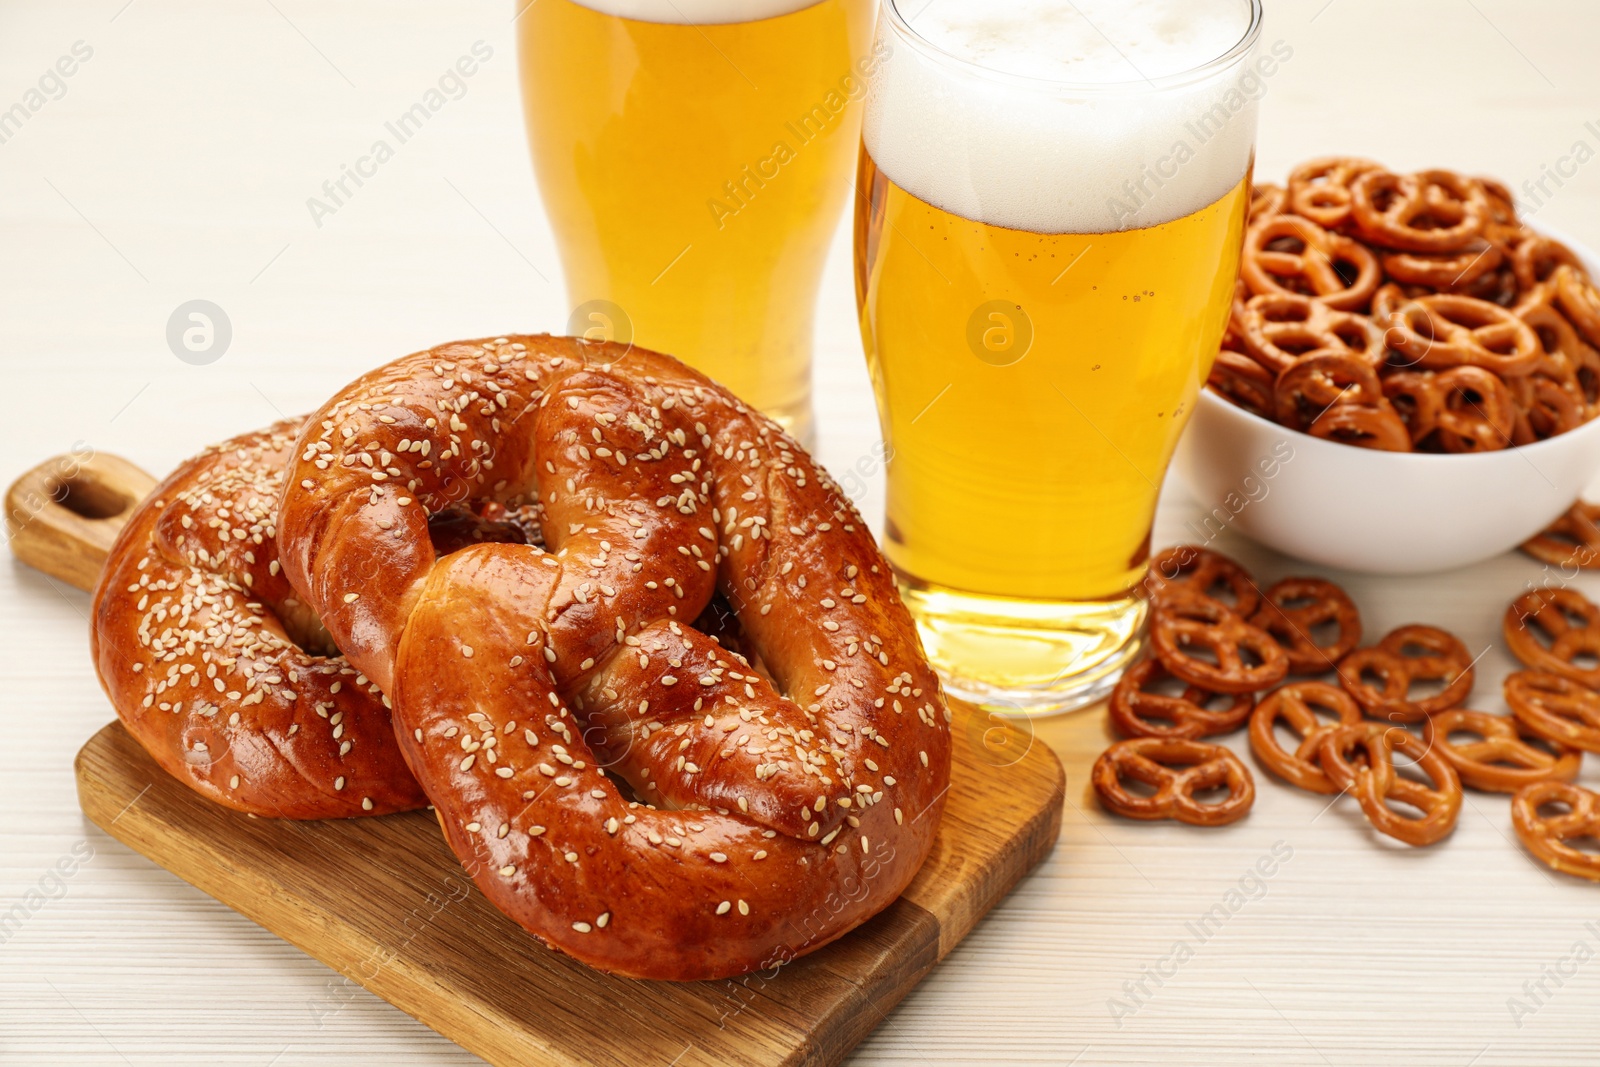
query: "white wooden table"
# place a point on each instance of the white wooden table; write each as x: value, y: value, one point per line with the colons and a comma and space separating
x: 176, y: 165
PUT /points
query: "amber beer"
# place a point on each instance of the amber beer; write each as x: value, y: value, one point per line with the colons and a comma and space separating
x: 694, y: 156
x: 1039, y: 311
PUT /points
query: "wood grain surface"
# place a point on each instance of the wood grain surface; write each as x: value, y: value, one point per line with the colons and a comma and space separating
x: 384, y: 903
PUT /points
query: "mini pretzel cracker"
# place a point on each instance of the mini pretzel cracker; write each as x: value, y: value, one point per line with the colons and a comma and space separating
x: 1320, y: 380
x: 1449, y: 272
x: 1377, y: 427
x: 1579, y: 301
x: 1552, y: 629
x: 1402, y: 658
x: 1135, y: 711
x: 1278, y: 329
x: 1478, y: 413
x: 1190, y: 567
x: 1177, y: 770
x: 1297, y: 705
x: 1290, y: 254
x: 1547, y: 836
x: 1564, y: 355
x: 1445, y: 330
x: 1502, y: 760
x: 1244, y: 381
x: 1320, y: 189
x: 1415, y: 276
x: 1415, y: 395
x: 1373, y: 782
x: 1544, y: 407
x: 1573, y: 540
x: 1432, y: 211
x: 1293, y: 609
x: 1555, y: 708
x: 1535, y: 259
x: 1186, y: 621
x: 1266, y: 201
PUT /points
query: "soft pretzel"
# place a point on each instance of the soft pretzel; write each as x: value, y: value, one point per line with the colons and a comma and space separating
x: 215, y: 664
x: 765, y: 826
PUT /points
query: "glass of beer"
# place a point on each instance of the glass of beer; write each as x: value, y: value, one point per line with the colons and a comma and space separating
x: 1051, y: 203
x: 695, y: 157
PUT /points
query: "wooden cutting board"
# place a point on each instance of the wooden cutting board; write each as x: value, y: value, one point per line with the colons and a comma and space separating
x: 385, y: 903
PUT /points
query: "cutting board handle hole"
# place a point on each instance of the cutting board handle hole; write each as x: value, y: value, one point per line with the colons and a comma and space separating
x: 89, y: 499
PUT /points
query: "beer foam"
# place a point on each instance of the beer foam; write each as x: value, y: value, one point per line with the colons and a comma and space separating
x: 696, y: 12
x: 1065, y: 116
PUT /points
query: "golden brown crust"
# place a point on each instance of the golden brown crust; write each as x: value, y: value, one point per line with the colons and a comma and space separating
x: 1547, y: 836
x: 1371, y: 778
x: 1176, y: 770
x: 1296, y: 706
x: 1403, y: 657
x: 765, y: 826
x: 192, y: 640
x: 1506, y: 755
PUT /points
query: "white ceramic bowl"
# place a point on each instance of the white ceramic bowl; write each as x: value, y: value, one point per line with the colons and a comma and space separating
x: 1378, y: 512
